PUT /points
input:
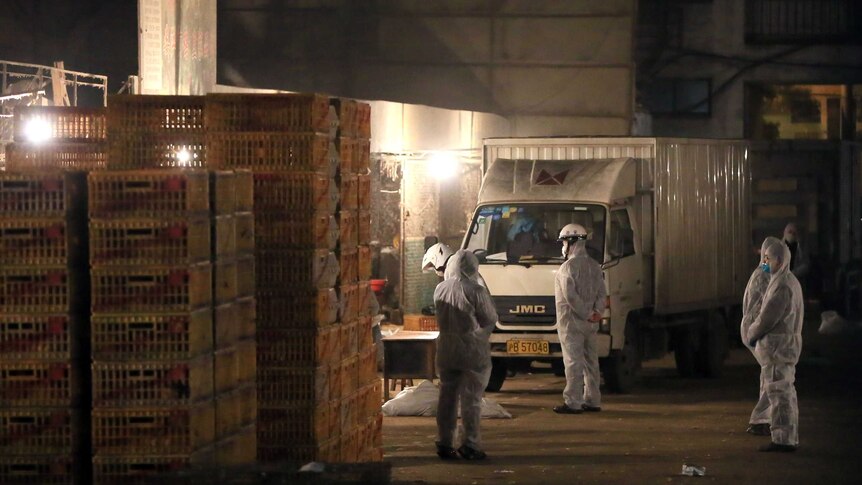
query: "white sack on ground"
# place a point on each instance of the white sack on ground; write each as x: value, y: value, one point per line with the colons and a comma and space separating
x: 421, y: 400
x: 831, y: 323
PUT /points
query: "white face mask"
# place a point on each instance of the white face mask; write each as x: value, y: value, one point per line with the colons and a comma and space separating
x: 790, y: 237
x: 565, y: 249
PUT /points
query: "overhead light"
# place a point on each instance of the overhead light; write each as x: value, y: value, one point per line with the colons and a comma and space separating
x: 37, y: 130
x: 443, y: 165
x: 183, y: 157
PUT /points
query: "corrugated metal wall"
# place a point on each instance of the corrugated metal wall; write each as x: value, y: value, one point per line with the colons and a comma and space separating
x: 703, y: 226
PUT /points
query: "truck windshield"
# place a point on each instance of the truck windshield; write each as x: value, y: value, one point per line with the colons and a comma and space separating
x: 527, y: 233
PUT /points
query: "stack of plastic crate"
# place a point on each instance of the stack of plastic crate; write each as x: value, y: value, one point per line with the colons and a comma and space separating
x: 156, y: 132
x: 234, y: 330
x: 43, y: 327
x: 55, y: 137
x: 152, y: 321
x: 360, y: 417
x: 288, y: 141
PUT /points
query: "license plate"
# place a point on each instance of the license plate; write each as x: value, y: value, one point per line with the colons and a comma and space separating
x: 528, y: 347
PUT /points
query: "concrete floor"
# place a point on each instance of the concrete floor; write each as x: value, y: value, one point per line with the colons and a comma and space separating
x: 646, y: 436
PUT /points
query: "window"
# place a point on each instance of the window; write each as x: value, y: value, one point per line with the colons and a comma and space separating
x: 621, y: 238
x: 527, y: 233
x: 803, y: 21
x: 679, y: 97
x: 802, y: 111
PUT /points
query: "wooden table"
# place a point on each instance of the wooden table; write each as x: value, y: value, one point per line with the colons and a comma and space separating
x: 409, y: 355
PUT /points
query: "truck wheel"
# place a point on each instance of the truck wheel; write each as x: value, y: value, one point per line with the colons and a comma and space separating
x: 621, y: 367
x: 498, y: 375
x: 713, y: 346
x: 684, y: 350
x: 558, y: 367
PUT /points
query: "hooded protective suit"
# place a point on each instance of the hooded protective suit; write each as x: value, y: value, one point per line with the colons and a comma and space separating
x: 750, y: 310
x: 579, y: 290
x: 465, y: 316
x: 777, y: 333
x: 799, y: 263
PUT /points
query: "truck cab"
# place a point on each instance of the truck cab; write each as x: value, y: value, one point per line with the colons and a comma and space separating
x: 522, y: 207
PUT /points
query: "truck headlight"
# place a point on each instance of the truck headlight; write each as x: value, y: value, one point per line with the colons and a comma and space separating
x: 605, y: 325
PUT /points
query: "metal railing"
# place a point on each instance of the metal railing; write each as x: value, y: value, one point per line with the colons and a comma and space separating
x: 803, y: 21
x: 23, y: 84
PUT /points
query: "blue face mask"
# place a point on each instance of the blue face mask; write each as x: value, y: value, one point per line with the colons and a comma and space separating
x: 765, y: 268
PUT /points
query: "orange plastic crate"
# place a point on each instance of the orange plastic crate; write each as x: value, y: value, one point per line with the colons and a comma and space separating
x: 135, y: 114
x: 280, y: 192
x: 148, y: 193
x: 38, y: 336
x: 149, y: 241
x: 39, y: 431
x: 301, y: 309
x: 35, y: 383
x: 66, y: 123
x: 148, y: 289
x: 57, y: 155
x: 294, y: 152
x: 41, y: 193
x: 170, y: 430
x: 118, y: 337
x: 145, y: 384
x: 299, y: 347
x: 312, y: 230
x: 36, y: 289
x: 269, y: 113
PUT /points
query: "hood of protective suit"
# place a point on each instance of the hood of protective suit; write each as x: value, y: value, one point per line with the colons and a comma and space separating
x: 463, y: 265
x: 776, y: 250
x: 791, y: 233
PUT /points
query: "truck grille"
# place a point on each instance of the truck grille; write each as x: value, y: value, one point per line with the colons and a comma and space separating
x: 526, y: 310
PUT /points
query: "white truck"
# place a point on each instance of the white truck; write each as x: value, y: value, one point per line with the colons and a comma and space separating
x: 669, y: 222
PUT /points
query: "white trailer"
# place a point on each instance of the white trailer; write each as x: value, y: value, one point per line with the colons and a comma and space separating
x: 670, y: 223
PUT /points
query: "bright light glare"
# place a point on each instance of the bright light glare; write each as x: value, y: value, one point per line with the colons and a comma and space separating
x: 37, y: 130
x: 443, y: 165
x: 183, y: 157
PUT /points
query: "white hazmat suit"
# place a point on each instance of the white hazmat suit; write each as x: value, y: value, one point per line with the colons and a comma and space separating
x: 579, y: 291
x: 465, y: 316
x: 751, y: 303
x: 777, y: 333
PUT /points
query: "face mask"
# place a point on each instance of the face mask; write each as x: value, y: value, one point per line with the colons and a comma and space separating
x: 565, y: 249
x: 791, y: 238
x: 765, y: 268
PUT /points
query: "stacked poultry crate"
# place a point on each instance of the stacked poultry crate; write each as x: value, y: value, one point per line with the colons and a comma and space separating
x: 152, y: 321
x: 234, y: 330
x: 57, y: 137
x: 43, y: 327
x: 152, y: 272
x: 306, y: 262
x: 360, y: 414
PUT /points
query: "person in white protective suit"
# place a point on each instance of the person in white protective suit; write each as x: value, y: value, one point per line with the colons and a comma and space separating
x: 758, y: 423
x: 465, y: 313
x: 776, y: 334
x: 437, y: 256
x: 579, y: 291
x: 799, y: 263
